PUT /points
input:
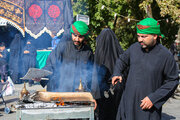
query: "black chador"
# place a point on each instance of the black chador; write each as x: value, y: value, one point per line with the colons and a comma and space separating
x: 107, y: 52
x: 4, y: 64
x: 28, y: 58
x: 15, y: 63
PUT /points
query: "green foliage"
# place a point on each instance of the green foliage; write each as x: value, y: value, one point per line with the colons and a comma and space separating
x: 133, y: 9
x: 169, y: 12
x: 170, y: 7
x: 80, y: 7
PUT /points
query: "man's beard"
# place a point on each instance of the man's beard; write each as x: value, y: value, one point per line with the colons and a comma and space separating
x: 143, y: 45
x: 78, y: 45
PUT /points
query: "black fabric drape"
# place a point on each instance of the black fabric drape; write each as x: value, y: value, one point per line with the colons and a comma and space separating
x: 107, y: 52
x: 4, y: 64
x: 108, y: 49
x: 15, y: 58
x: 28, y: 59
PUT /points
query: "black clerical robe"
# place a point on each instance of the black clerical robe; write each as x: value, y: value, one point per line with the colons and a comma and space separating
x: 69, y: 65
x: 28, y: 59
x: 153, y: 74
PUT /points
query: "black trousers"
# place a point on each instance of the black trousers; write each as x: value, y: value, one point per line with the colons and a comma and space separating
x: 4, y: 72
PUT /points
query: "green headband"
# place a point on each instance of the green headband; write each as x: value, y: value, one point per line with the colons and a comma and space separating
x: 79, y: 28
x: 149, y: 26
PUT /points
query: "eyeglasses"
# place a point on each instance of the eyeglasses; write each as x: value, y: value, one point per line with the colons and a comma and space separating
x: 75, y: 35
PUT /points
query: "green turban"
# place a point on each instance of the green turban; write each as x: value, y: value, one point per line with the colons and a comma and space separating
x: 148, y: 26
x: 79, y: 28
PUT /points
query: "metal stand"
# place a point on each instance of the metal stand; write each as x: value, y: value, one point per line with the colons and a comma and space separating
x: 77, y: 112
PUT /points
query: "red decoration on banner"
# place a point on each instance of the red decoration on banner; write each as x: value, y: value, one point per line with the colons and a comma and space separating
x: 35, y: 11
x: 54, y: 12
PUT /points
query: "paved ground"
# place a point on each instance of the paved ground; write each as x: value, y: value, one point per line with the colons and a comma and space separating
x: 11, y: 100
x: 171, y: 109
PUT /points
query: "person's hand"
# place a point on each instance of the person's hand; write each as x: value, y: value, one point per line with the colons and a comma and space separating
x: 115, y: 79
x: 95, y: 104
x: 37, y: 79
x: 1, y: 55
x: 52, y: 35
x: 146, y: 103
x: 26, y: 51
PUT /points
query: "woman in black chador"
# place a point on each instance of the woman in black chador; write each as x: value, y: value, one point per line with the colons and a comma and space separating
x: 15, y: 58
x: 28, y: 59
x: 107, y: 51
x: 3, y: 62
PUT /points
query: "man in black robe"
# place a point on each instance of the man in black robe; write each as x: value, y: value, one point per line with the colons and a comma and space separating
x: 152, y: 78
x: 70, y: 62
x: 28, y: 59
x: 3, y: 62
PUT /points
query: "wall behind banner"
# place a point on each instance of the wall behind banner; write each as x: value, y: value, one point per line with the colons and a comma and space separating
x: 7, y: 34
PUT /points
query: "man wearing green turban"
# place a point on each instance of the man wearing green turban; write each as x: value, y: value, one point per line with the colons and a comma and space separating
x: 70, y: 62
x: 152, y: 77
x: 148, y: 26
x: 79, y: 31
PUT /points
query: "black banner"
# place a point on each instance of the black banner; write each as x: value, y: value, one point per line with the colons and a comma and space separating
x: 38, y: 16
x: 47, y: 16
x: 13, y: 13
